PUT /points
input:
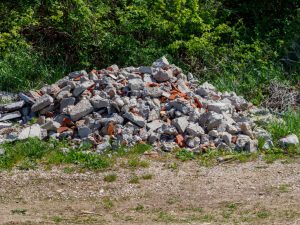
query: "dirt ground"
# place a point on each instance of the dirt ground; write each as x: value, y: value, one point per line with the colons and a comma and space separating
x: 165, y: 193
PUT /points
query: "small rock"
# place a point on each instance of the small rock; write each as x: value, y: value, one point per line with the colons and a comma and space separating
x: 161, y: 63
x: 51, y: 125
x: 99, y: 102
x: 180, y: 123
x: 84, y: 131
x: 194, y: 130
x: 82, y: 87
x: 31, y: 132
x: 136, y: 119
x: 163, y: 76
x: 290, y: 140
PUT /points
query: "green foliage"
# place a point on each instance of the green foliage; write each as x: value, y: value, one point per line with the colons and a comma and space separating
x: 233, y: 44
x: 27, y: 154
x: 185, y: 155
x: 290, y: 124
x: 110, y: 177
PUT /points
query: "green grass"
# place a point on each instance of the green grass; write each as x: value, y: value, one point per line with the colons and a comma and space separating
x: 110, y: 177
x: 184, y: 155
x: 134, y: 180
x: 107, y: 203
x: 147, y: 176
x: 290, y: 125
x: 28, y: 154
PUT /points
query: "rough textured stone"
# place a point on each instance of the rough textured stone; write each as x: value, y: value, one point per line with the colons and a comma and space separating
x: 181, y: 124
x: 41, y: 103
x: 194, y: 130
x: 162, y: 75
x: 136, y: 119
x: 31, y: 132
x: 99, y: 102
x: 51, y: 125
x: 10, y: 116
x: 289, y: 140
x: 84, y: 131
x: 82, y: 87
x: 14, y: 106
x: 81, y: 109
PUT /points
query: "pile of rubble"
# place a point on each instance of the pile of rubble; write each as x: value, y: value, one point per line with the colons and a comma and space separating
x: 159, y: 105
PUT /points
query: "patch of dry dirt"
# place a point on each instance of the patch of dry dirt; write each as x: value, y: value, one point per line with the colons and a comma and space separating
x: 249, y: 193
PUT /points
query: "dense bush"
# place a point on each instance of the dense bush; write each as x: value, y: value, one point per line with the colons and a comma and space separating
x: 237, y: 45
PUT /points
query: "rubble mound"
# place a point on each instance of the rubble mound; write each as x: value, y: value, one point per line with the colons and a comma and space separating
x: 157, y: 104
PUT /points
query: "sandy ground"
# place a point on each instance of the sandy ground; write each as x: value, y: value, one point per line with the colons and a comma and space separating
x: 245, y: 193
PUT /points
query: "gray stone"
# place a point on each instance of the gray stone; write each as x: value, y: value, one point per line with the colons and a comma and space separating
x: 227, y: 138
x: 214, y: 120
x: 76, y: 74
x: 136, y: 119
x: 163, y: 76
x: 205, y: 89
x: 65, y: 102
x: 136, y: 84
x: 14, y: 106
x: 231, y: 129
x: 219, y: 107
x: 31, y: 132
x: 26, y: 98
x: 167, y: 129
x: 42, y: 102
x: 146, y: 69
x: 268, y: 145
x: 161, y: 63
x: 82, y: 87
x: 290, y: 140
x: 51, y: 125
x: 103, y: 146
x: 213, y: 133
x: 10, y: 116
x: 246, y: 129
x: 242, y: 141
x: 99, y: 102
x: 251, y: 146
x: 63, y: 94
x: 5, y: 125
x: 153, y: 115
x: 180, y: 123
x: 84, y: 131
x: 154, y: 125
x: 194, y: 130
x: 153, y: 137
x: 168, y: 146
x: 81, y: 109
x: 182, y: 86
x: 2, y: 151
x: 154, y: 92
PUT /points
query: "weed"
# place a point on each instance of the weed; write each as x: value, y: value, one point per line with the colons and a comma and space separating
x: 135, y: 162
x: 107, y: 203
x: 283, y: 188
x: 139, y: 207
x: 134, y: 179
x: 185, y: 155
x: 19, y: 211
x: 57, y: 219
x: 147, y: 176
x: 263, y: 214
x: 110, y: 177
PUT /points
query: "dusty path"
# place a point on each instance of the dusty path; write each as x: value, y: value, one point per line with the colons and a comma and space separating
x: 249, y: 193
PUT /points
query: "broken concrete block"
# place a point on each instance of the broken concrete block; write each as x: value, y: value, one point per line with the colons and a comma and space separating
x: 33, y: 131
x: 81, y: 109
x: 180, y: 123
x: 41, y: 103
x: 10, y: 116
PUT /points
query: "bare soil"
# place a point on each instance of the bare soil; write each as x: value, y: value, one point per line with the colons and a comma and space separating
x: 177, y: 193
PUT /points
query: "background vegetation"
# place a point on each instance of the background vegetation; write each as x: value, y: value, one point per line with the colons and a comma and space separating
x: 237, y: 45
